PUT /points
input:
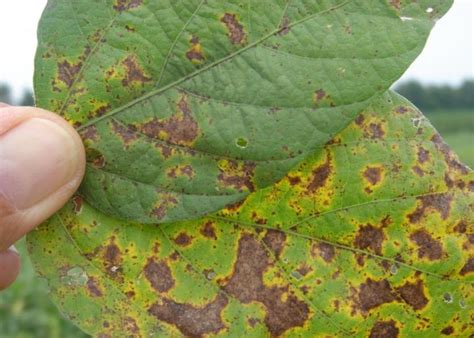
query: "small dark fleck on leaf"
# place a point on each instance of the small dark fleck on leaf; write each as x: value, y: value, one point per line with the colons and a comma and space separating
x: 468, y: 267
x: 447, y: 331
x: 209, y: 231
x: 183, y: 239
x: 320, y: 175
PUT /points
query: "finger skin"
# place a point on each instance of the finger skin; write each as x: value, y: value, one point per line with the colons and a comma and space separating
x: 9, y: 268
x: 16, y: 221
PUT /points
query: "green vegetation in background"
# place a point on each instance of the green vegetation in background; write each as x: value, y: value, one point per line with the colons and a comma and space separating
x: 6, y: 96
x: 452, y: 121
x: 457, y: 129
x: 450, y: 110
x: 439, y: 97
x: 26, y: 310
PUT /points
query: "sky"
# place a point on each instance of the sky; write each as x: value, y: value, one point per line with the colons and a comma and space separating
x: 447, y: 58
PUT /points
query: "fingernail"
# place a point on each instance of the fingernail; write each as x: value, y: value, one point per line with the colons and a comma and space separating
x: 13, y: 249
x: 37, y: 157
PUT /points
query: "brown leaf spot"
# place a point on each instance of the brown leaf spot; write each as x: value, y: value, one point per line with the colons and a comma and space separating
x: 447, y: 331
x: 195, y: 54
x: 253, y: 322
x: 320, y: 175
x: 208, y: 230
x: 326, y: 251
x: 468, y: 267
x: 375, y: 131
x: 160, y: 210
x: 246, y: 284
x: 187, y: 170
x: 126, y: 134
x: 401, y: 109
x: 236, y: 30
x: 67, y: 72
x: 304, y: 270
x: 78, y: 203
x: 192, y: 321
x: 284, y: 26
x: 319, y: 94
x: 413, y: 294
x: 159, y: 275
x: 180, y: 128
x: 234, y: 207
x: 438, y: 202
x: 123, y: 5
x: 130, y: 325
x: 133, y: 72
x: 257, y: 219
x: 418, y: 171
x: 90, y: 134
x: 369, y: 237
x: 183, y: 239
x: 423, y: 155
x: 372, y: 294
x: 427, y: 246
x: 112, y: 260
x: 373, y: 175
x: 294, y: 180
x: 237, y: 176
x: 93, y: 288
x: 98, y: 162
x: 461, y: 227
x: 275, y: 241
x: 360, y: 120
x: 100, y: 111
x: 177, y: 171
x: 384, y: 329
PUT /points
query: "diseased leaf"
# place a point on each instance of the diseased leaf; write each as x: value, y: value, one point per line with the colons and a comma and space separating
x: 368, y: 236
x: 296, y: 196
x: 188, y: 106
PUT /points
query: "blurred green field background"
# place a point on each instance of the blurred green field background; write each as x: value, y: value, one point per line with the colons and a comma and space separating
x: 457, y: 129
x: 26, y: 310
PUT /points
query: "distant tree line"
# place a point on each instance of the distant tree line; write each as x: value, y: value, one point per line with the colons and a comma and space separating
x: 439, y: 97
x: 6, y: 96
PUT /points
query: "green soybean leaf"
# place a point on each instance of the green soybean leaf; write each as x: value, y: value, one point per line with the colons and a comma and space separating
x: 188, y: 106
x: 371, y: 235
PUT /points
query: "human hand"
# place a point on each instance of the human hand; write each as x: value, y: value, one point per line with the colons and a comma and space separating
x: 42, y: 163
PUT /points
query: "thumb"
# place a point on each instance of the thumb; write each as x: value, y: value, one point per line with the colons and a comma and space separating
x: 41, y: 165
